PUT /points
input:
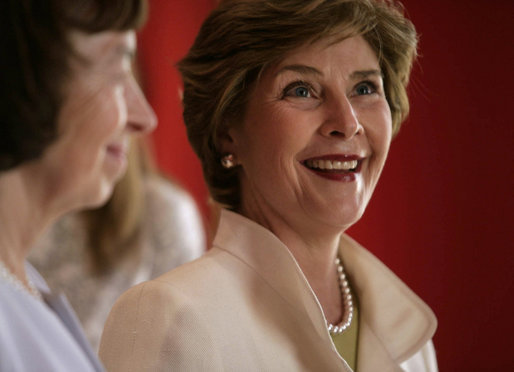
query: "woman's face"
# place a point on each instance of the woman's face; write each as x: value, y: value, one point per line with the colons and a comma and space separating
x: 314, y: 139
x: 102, y: 108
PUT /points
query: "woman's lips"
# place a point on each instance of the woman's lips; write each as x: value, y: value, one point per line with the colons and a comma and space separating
x: 118, y: 151
x: 117, y: 156
x: 335, y: 167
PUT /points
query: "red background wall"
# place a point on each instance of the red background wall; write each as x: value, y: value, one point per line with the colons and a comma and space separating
x: 441, y: 216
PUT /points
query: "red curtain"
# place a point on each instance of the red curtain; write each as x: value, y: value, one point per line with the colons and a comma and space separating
x: 442, y: 213
x: 171, y: 28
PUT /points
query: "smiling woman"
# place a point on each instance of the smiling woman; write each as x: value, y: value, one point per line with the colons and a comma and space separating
x: 291, y: 106
x: 102, y: 108
x: 316, y: 113
x: 69, y: 106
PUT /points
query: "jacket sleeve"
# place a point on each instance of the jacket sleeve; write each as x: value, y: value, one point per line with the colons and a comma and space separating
x: 153, y: 327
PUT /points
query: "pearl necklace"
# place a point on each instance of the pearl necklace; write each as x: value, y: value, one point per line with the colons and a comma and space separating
x: 347, y: 302
x: 30, y: 288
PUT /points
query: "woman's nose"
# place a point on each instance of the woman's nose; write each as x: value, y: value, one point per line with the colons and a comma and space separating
x: 341, y: 120
x: 140, y: 116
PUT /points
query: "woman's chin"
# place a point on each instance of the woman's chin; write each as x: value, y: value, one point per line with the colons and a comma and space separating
x: 115, y: 167
x: 346, y: 216
x: 99, y: 202
x: 104, y: 189
x: 343, y: 224
x: 95, y: 198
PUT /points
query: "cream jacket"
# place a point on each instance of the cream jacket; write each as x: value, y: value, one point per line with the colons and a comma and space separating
x: 246, y: 306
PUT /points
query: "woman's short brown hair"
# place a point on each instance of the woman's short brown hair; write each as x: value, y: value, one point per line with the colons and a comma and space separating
x: 35, y: 54
x: 242, y: 37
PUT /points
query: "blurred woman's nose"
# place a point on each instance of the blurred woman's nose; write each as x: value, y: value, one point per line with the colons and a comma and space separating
x: 341, y: 120
x: 140, y: 116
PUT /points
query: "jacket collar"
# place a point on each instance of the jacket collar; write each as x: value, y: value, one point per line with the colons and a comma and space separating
x: 59, y: 304
x: 394, y: 322
x: 260, y: 249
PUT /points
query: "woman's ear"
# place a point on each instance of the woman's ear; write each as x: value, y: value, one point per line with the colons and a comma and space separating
x: 228, y: 147
x: 227, y: 142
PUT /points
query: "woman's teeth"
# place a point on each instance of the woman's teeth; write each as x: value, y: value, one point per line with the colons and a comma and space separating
x: 332, y: 164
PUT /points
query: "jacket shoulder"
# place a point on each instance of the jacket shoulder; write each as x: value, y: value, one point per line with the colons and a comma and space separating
x: 155, y: 326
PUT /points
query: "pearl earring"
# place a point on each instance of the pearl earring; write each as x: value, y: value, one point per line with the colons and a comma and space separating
x: 228, y: 161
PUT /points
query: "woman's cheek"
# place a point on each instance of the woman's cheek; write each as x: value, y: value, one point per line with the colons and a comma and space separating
x: 111, y: 113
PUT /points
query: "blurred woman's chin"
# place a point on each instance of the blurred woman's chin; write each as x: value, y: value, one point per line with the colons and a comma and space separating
x: 96, y: 194
x: 99, y: 198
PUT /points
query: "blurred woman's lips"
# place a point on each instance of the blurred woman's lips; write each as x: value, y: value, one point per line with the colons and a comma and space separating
x: 117, y: 155
x: 335, y: 167
x: 116, y: 150
x: 116, y: 158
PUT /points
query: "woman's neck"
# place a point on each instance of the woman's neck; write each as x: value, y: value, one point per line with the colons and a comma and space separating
x: 315, y: 249
x: 23, y: 217
x: 316, y: 258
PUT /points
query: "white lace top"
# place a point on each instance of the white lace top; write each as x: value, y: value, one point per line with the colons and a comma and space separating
x: 172, y: 235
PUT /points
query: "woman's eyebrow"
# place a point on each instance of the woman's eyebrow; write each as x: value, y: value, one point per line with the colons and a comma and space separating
x: 302, y: 69
x: 357, y: 75
x: 309, y: 70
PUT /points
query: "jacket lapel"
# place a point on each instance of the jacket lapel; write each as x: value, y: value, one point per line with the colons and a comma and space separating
x: 63, y: 310
x: 373, y: 355
x: 269, y: 258
x: 395, y: 322
x: 61, y: 307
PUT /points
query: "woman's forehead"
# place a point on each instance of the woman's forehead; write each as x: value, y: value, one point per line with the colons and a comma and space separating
x: 350, y: 53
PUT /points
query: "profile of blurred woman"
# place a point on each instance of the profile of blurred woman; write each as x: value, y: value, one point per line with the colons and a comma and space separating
x: 70, y: 105
x: 149, y: 226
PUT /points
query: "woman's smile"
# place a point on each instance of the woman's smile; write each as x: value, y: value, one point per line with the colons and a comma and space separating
x: 335, y: 167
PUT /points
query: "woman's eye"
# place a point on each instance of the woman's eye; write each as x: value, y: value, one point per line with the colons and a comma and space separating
x: 365, y: 89
x: 301, y: 92
x: 298, y: 89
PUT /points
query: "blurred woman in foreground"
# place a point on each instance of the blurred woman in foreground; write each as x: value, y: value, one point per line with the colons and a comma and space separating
x: 149, y: 226
x: 69, y: 107
x: 291, y: 107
